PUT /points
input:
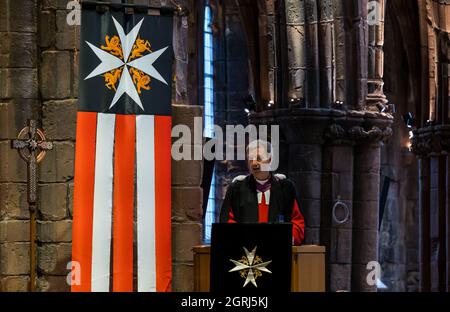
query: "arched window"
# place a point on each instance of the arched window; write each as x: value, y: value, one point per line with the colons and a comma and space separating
x: 208, y: 114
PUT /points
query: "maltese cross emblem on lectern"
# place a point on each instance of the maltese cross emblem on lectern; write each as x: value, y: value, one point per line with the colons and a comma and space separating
x: 250, y: 267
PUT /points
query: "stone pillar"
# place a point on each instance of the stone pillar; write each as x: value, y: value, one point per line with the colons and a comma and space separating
x: 19, y: 100
x: 339, y: 74
x: 304, y: 163
x: 272, y: 62
x: 304, y: 167
x: 350, y: 192
x: 187, y: 210
x: 425, y: 251
x: 440, y: 282
x: 326, y: 41
x: 180, y: 41
x: 434, y: 225
x: 336, y: 225
x: 435, y: 243
x: 376, y: 99
x: 356, y: 43
x: 264, y: 51
x: 432, y: 145
x: 424, y: 242
x: 296, y: 52
x: 365, y: 213
x: 447, y: 221
x: 312, y: 55
x: 186, y: 50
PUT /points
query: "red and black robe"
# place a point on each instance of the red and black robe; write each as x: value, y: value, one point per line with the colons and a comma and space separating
x: 243, y: 204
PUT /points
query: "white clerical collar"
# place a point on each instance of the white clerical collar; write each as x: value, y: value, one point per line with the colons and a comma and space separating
x: 262, y: 181
x: 266, y: 195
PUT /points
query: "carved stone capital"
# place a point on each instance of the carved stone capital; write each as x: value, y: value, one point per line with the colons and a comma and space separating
x: 325, y: 126
x: 431, y: 141
x: 358, y: 134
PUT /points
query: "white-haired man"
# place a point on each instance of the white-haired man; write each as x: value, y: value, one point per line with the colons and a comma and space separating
x: 263, y: 196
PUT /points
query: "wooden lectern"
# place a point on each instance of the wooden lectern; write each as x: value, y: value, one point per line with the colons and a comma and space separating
x: 308, y: 268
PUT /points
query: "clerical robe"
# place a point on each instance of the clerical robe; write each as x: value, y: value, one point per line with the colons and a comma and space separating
x: 248, y: 202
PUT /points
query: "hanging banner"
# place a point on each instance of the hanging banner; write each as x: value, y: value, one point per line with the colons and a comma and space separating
x: 122, y: 197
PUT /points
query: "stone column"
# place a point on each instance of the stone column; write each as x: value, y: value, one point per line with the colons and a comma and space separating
x: 337, y: 210
x: 295, y: 28
x: 339, y: 74
x: 263, y: 52
x: 304, y: 167
x: 432, y: 145
x: 447, y: 221
x: 185, y: 51
x: 304, y: 137
x: 435, y: 243
x: 312, y: 55
x: 443, y: 189
x: 424, y: 242
x: 365, y: 213
x: 356, y: 42
x: 434, y: 221
x: 350, y: 191
x: 376, y: 99
x: 431, y: 44
x: 326, y: 55
x: 272, y: 62
x: 180, y: 37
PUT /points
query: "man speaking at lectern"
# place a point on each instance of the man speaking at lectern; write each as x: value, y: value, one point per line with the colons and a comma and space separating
x: 262, y: 196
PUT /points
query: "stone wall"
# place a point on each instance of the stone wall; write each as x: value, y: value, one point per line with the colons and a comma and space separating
x: 58, y: 50
x: 19, y: 100
x: 187, y: 211
x: 38, y: 79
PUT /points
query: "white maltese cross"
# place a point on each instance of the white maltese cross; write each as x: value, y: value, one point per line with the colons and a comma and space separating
x: 110, y: 62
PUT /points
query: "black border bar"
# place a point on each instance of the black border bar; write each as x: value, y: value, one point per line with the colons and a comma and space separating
x: 164, y: 10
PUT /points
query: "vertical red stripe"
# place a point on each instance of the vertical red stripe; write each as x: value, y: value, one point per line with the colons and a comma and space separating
x: 263, y: 210
x: 163, y: 127
x: 83, y: 200
x: 124, y: 159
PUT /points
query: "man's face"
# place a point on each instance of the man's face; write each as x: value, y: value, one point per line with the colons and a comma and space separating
x: 256, y: 158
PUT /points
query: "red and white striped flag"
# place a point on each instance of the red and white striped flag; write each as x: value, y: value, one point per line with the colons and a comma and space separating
x: 122, y: 197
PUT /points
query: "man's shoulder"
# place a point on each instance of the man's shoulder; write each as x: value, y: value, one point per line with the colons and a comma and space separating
x: 279, y: 177
x: 284, y: 181
x: 237, y: 183
x: 239, y: 178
